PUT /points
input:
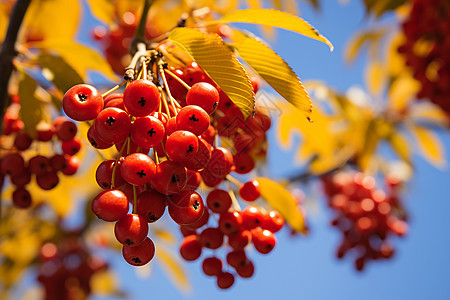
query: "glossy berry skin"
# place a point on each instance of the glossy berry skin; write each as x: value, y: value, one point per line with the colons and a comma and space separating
x: 200, y: 222
x: 190, y: 248
x: 212, y: 266
x: 263, y: 240
x: 193, y: 118
x: 181, y: 146
x: 221, y: 162
x: 218, y: 201
x: 204, y: 95
x: 131, y: 230
x: 65, y: 130
x: 21, y: 198
x: 110, y: 205
x: 273, y: 221
x: 230, y: 222
x: 247, y: 270
x: 236, y: 258
x: 71, y: 147
x: 251, y: 217
x: 170, y: 178
x: 250, y: 191
x: 186, y: 207
x: 201, y: 159
x: 225, y: 280
x: 82, y: 102
x: 240, y: 240
x: 113, y: 125
x: 21, y: 179
x: 151, y: 205
x: 48, y: 180
x: 95, y: 140
x: 147, y: 132
x: 141, y: 254
x: 141, y: 98
x: 103, y: 174
x: 137, y: 169
x: 211, y: 238
x: 58, y: 162
x: 71, y: 166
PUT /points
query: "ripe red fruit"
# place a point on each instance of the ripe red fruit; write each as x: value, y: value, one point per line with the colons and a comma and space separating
x: 12, y: 164
x: 230, y: 222
x: 141, y: 254
x: 220, y: 163
x: 110, y: 205
x: 21, y: 179
x: 190, y: 248
x: 113, y: 125
x: 225, y: 280
x: 273, y: 221
x: 47, y: 181
x: 239, y: 240
x: 181, y: 146
x: 212, y: 266
x: 193, y: 118
x: 58, y: 162
x: 71, y: 166
x: 147, y: 131
x: 151, y: 205
x: 250, y: 191
x: 22, y: 141
x: 71, y: 147
x: 21, y: 198
x: 219, y: 201
x: 204, y: 95
x: 251, y: 217
x: 247, y: 270
x: 44, y: 131
x: 170, y: 178
x: 141, y: 97
x: 131, y: 230
x: 211, y: 238
x: 263, y: 240
x: 95, y: 140
x: 138, y: 169
x: 103, y: 175
x: 243, y: 163
x: 65, y: 130
x: 186, y: 207
x: 82, y: 102
x: 39, y: 165
x: 201, y: 159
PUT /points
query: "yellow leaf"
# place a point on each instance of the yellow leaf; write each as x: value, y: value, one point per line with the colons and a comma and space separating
x: 273, y: 69
x: 425, y: 111
x: 164, y: 235
x: 370, y: 38
x: 402, y: 92
x: 401, y: 145
x: 172, y: 265
x: 396, y: 61
x: 281, y: 200
x: 376, y: 77
x: 5, y: 10
x: 79, y: 57
x: 56, y: 70
x: 216, y: 59
x: 430, y: 145
x: 104, y: 283
x: 31, y: 111
x: 103, y: 10
x: 275, y: 18
x: 53, y: 19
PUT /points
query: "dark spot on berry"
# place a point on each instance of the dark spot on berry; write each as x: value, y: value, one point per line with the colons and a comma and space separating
x: 216, y: 204
x: 193, y: 118
x: 136, y: 260
x: 207, y: 244
x: 110, y: 121
x: 196, y: 205
x: 105, y: 185
x: 228, y: 104
x: 257, y: 221
x: 215, y: 104
x: 93, y: 142
x: 152, y: 217
x: 128, y: 242
x: 228, y: 225
x: 151, y: 132
x: 142, y: 102
x: 43, y: 165
x: 141, y: 173
x: 175, y: 179
x: 82, y: 97
x: 190, y: 149
x: 74, y: 150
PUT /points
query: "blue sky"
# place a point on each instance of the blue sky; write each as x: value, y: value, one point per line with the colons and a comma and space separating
x: 305, y: 267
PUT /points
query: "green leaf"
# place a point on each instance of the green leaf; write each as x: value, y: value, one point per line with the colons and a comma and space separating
x: 273, y: 69
x: 275, y: 18
x: 31, y: 110
x: 216, y: 59
x: 58, y: 71
x: 281, y: 200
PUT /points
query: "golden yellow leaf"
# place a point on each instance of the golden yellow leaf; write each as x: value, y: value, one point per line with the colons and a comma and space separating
x: 103, y: 10
x: 395, y: 61
x: 31, y: 110
x: 275, y: 18
x: 281, y: 200
x: 104, y: 283
x: 79, y: 57
x: 401, y: 145
x: 52, y: 19
x: 402, y: 92
x: 425, y: 111
x: 369, y: 38
x: 430, y: 146
x: 273, y: 69
x: 5, y: 9
x: 172, y: 265
x: 376, y: 77
x: 164, y: 235
x: 56, y: 70
x: 216, y: 59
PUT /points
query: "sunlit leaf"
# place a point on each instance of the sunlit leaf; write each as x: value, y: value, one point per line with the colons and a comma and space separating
x: 281, y: 200
x: 401, y: 92
x: 105, y: 283
x: 430, y: 145
x: 368, y: 38
x: 103, y: 10
x: 52, y: 19
x: 401, y: 145
x: 59, y: 72
x: 31, y: 110
x: 172, y: 265
x: 376, y: 77
x: 273, y: 69
x: 379, y: 7
x: 275, y: 18
x: 79, y: 57
x: 216, y: 59
x: 427, y: 112
x: 4, y: 18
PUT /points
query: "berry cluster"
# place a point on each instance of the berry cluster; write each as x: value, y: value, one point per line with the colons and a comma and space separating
x: 233, y: 230
x: 66, y: 268
x: 427, y: 49
x: 366, y: 215
x: 20, y: 162
x: 166, y: 126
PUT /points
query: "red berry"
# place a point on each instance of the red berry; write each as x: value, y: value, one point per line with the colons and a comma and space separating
x: 151, y: 205
x: 182, y: 146
x: 211, y: 238
x: 190, y: 248
x: 110, y: 205
x: 186, y: 207
x: 200, y: 222
x: 170, y: 178
x: 204, y: 95
x: 247, y: 270
x: 147, y: 131
x: 251, y: 217
x: 141, y: 254
x: 273, y: 221
x: 39, y: 165
x: 131, y: 230
x: 95, y: 140
x: 225, y: 280
x: 82, y: 102
x: 141, y: 98
x: 137, y: 169
x: 65, y: 130
x: 250, y: 191
x: 12, y: 164
x: 219, y: 201
x: 21, y: 198
x: 263, y: 240
x: 22, y: 141
x: 71, y: 166
x: 240, y: 240
x: 71, y: 147
x: 193, y: 118
x: 230, y: 222
x: 47, y: 181
x: 113, y: 125
x: 220, y: 163
x: 212, y: 266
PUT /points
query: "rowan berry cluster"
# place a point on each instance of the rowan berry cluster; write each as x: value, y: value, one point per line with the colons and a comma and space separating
x: 233, y: 230
x: 427, y: 49
x: 65, y: 269
x: 166, y: 126
x: 365, y: 215
x: 20, y: 162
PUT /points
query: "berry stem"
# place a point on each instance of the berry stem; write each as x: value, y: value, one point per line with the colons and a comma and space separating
x: 181, y: 81
x: 156, y: 155
x: 234, y: 201
x: 234, y: 180
x: 164, y: 101
x: 166, y: 86
x: 113, y: 89
x: 134, y: 200
x: 113, y: 184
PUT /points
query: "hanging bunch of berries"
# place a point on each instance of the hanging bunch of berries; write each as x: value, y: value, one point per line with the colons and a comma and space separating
x: 365, y: 214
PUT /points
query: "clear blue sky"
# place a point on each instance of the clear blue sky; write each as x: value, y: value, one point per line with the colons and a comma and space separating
x: 305, y: 267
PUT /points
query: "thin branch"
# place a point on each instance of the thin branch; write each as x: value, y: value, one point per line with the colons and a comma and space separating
x: 139, y: 36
